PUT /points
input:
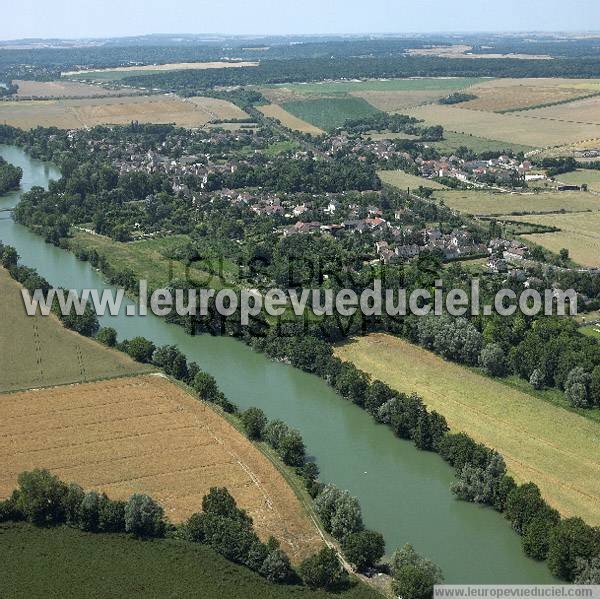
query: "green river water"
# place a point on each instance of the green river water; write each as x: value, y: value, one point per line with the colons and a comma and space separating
x: 404, y: 492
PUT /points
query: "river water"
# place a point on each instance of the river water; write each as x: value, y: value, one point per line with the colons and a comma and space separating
x: 404, y: 492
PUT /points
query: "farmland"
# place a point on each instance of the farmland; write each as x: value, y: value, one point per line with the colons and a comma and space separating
x: 482, y: 202
x: 64, y: 89
x: 586, y: 112
x: 555, y: 448
x: 72, y: 564
x: 74, y: 114
x: 505, y: 95
x: 579, y: 233
x: 288, y: 120
x: 404, y: 180
x: 452, y: 141
x: 117, y: 73
x: 329, y: 113
x: 520, y: 128
x: 145, y: 434
x: 589, y: 177
x: 47, y: 353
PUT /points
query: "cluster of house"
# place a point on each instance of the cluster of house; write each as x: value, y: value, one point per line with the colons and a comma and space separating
x: 503, y: 251
x: 503, y: 168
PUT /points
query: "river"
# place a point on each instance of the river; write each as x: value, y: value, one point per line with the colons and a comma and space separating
x: 404, y: 492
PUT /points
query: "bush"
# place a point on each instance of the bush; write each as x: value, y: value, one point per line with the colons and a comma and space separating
x: 107, y: 336
x: 41, y: 498
x: 363, y: 549
x: 323, y: 570
x: 254, y: 421
x: 413, y: 576
x: 144, y: 518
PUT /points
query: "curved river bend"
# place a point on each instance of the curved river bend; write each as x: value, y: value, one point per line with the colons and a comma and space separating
x: 404, y: 492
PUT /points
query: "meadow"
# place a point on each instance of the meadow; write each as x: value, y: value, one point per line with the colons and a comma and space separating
x: 588, y: 176
x: 520, y: 127
x: 483, y: 202
x: 274, y: 111
x: 76, y: 114
x: 404, y: 180
x: 330, y: 113
x: 69, y: 564
x: 579, y: 233
x: 557, y: 449
x: 47, y: 353
x: 147, y: 435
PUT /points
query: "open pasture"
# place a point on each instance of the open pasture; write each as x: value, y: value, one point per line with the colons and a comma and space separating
x: 47, y: 353
x: 274, y: 111
x: 82, y: 113
x: 579, y: 233
x: 541, y: 442
x: 147, y: 435
x: 520, y: 128
x: 482, y: 202
x: 329, y: 113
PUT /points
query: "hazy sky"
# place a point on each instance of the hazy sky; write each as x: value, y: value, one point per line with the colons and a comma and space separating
x: 98, y: 18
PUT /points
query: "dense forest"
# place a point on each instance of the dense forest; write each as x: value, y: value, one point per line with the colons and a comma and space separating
x: 10, y: 176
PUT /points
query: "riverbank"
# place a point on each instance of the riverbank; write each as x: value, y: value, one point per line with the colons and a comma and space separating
x: 542, y: 443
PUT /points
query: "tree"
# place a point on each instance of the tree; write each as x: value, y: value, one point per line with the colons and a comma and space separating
x: 537, y: 379
x: 219, y: 502
x: 339, y: 511
x: 323, y: 570
x: 570, y: 541
x: 72, y: 501
x: 112, y: 515
x: 480, y: 485
x: 108, y: 336
x: 89, y: 512
x: 276, y: 567
x: 292, y: 449
x: 254, y: 421
x: 363, y: 549
x: 413, y: 575
x: 144, y: 517
x: 577, y: 387
x: 536, y: 535
x: 588, y: 571
x: 564, y: 254
x: 523, y: 504
x: 493, y: 360
x: 206, y: 387
x: 41, y: 497
x: 140, y: 349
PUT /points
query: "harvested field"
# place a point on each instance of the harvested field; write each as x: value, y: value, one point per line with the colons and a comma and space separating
x: 497, y: 96
x: 145, y: 434
x: 586, y: 112
x: 75, y: 114
x: 117, y: 73
x: 579, y: 233
x: 482, y: 202
x: 541, y: 442
x: 47, y: 353
x: 520, y: 128
x: 65, y: 89
x: 274, y: 111
x: 404, y: 180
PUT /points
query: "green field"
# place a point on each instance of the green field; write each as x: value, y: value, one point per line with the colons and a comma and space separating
x: 147, y: 259
x: 64, y: 563
x: 588, y: 176
x: 404, y: 180
x: 452, y: 141
x: 281, y: 147
x: 554, y: 447
x: 47, y: 353
x: 482, y: 202
x: 426, y: 84
x: 591, y: 331
x: 329, y: 113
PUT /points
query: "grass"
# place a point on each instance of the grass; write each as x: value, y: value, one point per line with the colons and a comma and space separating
x: 579, y: 233
x: 330, y: 113
x: 404, y: 180
x: 590, y: 177
x: 48, y: 354
x: 281, y: 147
x: 70, y: 564
x: 101, y: 435
x: 274, y: 111
x: 591, y: 331
x: 425, y: 84
x: 452, y: 141
x: 483, y: 202
x: 147, y: 260
x: 557, y: 449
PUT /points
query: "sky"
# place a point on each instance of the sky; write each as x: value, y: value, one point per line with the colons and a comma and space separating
x: 115, y: 18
